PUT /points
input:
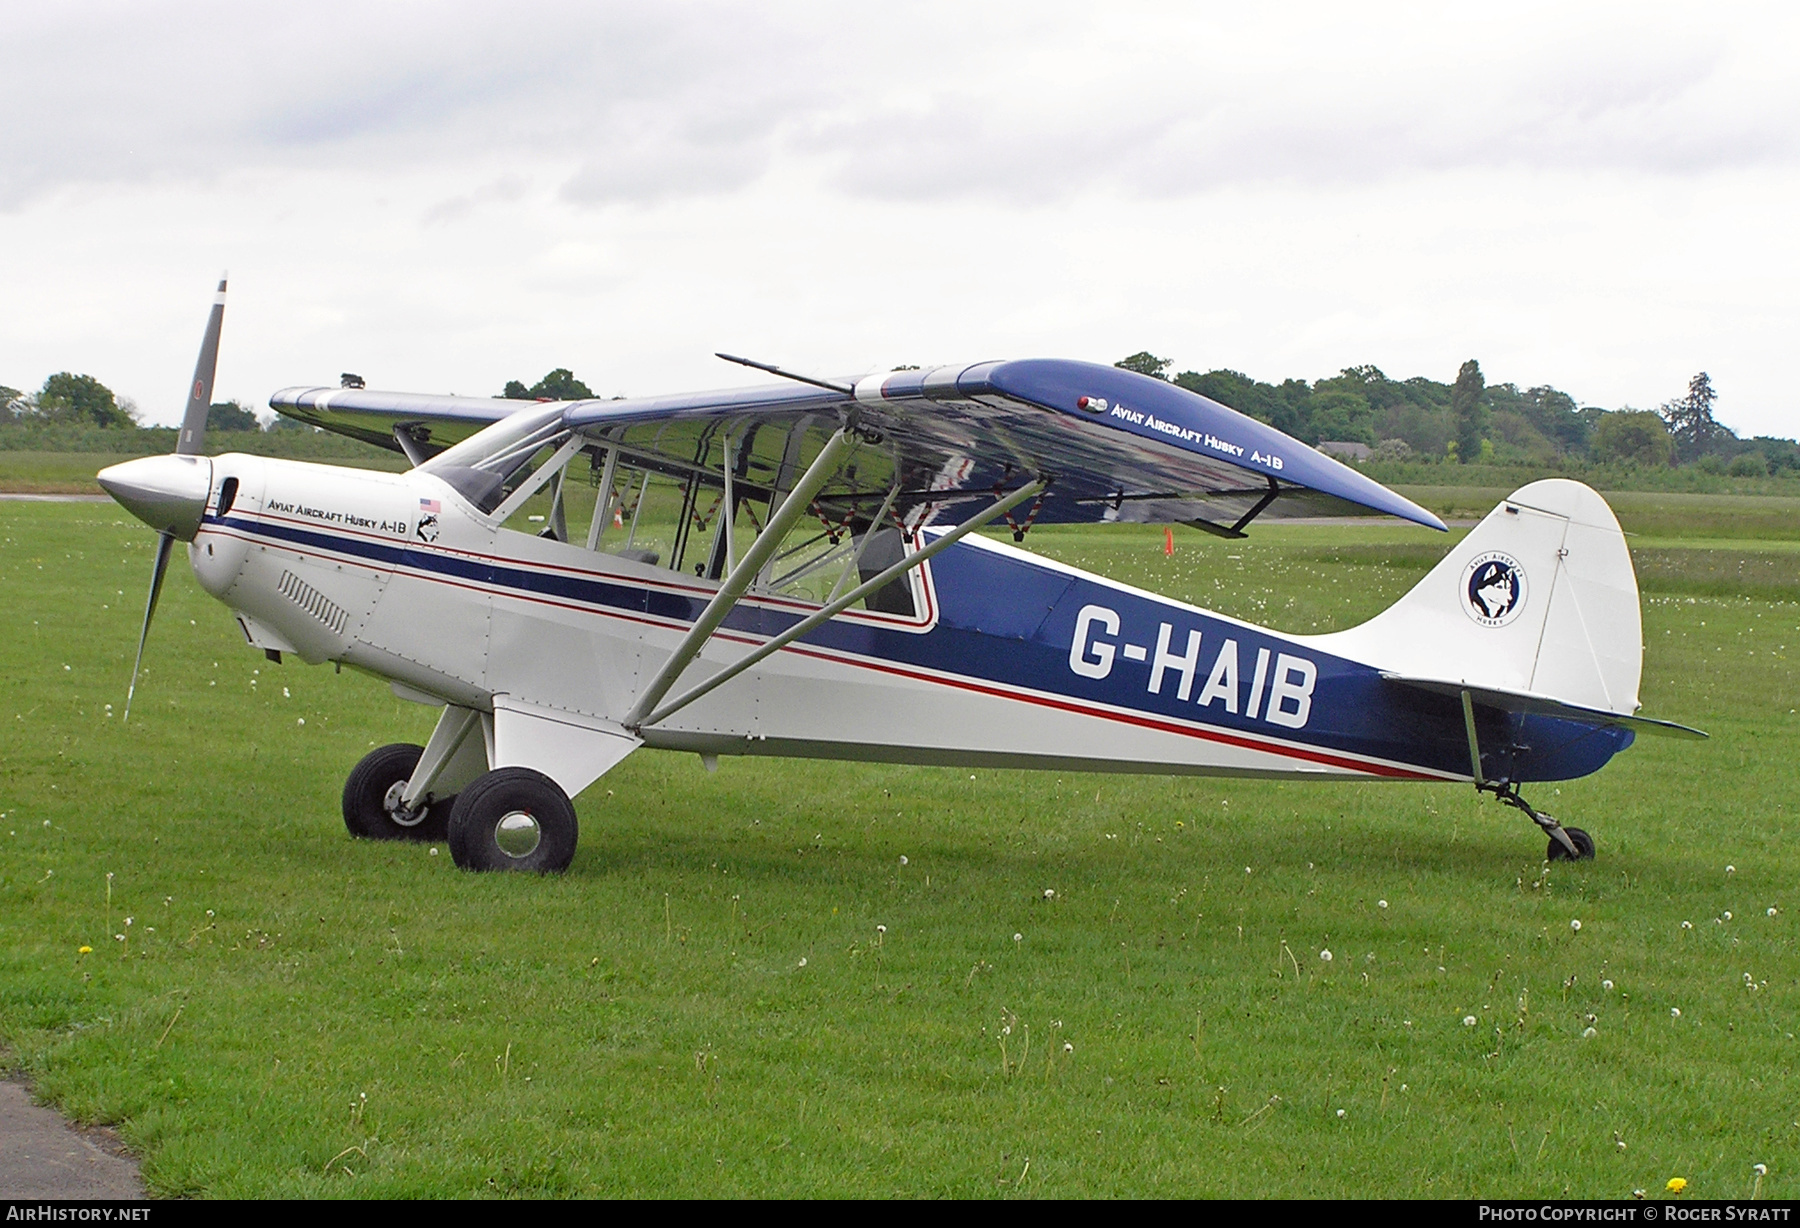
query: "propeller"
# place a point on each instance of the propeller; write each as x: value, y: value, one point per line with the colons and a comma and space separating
x: 171, y: 498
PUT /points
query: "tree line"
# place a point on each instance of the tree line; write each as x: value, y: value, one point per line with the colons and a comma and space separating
x: 67, y: 399
x: 1470, y: 420
x: 1416, y: 419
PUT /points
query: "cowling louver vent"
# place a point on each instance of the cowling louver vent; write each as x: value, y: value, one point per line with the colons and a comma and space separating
x: 313, y: 602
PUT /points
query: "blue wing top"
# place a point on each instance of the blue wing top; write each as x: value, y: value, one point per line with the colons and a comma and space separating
x: 1116, y: 445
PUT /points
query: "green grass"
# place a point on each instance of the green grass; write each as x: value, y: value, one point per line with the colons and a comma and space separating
x: 1683, y: 478
x: 1650, y: 514
x: 707, y: 1003
x: 34, y: 471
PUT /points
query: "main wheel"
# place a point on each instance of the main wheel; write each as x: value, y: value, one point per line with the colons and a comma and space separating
x: 372, y: 809
x: 513, y: 819
x: 1584, y: 846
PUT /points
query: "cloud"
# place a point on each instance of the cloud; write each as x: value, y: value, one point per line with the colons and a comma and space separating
x: 1336, y: 107
x: 1014, y: 102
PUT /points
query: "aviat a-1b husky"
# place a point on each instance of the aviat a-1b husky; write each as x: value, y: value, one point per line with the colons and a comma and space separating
x: 791, y: 570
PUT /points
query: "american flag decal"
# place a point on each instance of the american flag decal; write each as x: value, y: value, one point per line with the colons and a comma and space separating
x: 430, y: 505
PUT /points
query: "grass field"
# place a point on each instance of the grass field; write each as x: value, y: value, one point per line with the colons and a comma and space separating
x: 793, y: 978
x: 34, y: 472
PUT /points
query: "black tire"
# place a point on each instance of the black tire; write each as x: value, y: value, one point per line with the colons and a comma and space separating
x: 528, y: 803
x: 1584, y: 846
x: 366, y: 811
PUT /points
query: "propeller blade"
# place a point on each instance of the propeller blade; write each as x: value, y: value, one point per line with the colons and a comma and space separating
x: 193, y: 422
x: 188, y: 443
x: 165, y: 543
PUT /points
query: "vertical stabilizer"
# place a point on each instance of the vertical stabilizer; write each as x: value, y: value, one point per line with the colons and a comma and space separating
x: 1539, y: 598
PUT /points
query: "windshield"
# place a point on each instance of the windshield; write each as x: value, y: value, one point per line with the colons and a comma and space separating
x: 483, y: 466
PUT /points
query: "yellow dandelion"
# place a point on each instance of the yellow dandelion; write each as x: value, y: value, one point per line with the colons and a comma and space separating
x: 85, y: 951
x: 1676, y: 1185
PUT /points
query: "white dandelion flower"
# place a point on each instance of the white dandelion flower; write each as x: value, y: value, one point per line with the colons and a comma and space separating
x: 1575, y: 925
x: 1325, y: 955
x: 1468, y: 1021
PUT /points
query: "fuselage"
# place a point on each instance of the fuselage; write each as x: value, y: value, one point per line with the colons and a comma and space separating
x: 1008, y: 659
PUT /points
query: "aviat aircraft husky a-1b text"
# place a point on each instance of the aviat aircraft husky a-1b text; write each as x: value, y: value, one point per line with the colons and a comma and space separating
x: 790, y: 570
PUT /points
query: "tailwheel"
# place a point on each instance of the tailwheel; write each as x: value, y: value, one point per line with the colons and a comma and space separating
x: 1584, y: 846
x: 373, y: 805
x: 513, y: 818
x: 1566, y: 843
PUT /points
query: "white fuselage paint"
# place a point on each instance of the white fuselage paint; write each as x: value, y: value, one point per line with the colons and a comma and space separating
x: 310, y: 561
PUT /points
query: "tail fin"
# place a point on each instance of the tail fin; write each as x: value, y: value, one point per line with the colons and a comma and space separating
x: 1540, y: 599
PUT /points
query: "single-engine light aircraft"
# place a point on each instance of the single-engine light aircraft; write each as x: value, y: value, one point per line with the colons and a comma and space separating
x: 792, y: 569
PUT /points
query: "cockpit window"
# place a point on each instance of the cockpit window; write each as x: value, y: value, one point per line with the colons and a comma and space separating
x: 489, y: 464
x: 698, y: 517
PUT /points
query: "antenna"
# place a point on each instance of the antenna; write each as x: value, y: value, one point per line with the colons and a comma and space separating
x: 772, y: 369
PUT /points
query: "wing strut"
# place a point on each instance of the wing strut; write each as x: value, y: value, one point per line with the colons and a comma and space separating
x: 826, y: 613
x: 794, y: 507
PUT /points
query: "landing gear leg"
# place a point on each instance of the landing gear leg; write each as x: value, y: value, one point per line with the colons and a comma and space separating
x: 1566, y: 843
x: 1569, y: 843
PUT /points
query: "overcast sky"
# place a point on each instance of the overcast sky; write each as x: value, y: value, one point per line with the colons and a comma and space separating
x: 446, y: 196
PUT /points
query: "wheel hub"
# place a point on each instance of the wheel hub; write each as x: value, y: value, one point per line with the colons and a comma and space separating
x: 518, y: 834
x: 394, y: 803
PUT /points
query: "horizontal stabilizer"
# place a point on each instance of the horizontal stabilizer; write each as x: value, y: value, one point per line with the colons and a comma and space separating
x: 1544, y: 705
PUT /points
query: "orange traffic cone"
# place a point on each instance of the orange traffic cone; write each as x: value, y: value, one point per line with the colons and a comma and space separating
x: 1168, y: 542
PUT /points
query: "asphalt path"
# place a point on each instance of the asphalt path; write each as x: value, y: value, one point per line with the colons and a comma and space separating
x: 27, y: 497
x: 42, y: 1156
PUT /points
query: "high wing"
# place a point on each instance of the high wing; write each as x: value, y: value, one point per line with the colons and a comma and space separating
x: 1113, y: 445
x: 418, y: 425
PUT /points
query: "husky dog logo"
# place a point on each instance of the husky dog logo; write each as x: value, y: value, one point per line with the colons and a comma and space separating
x: 428, y: 528
x: 1493, y: 589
